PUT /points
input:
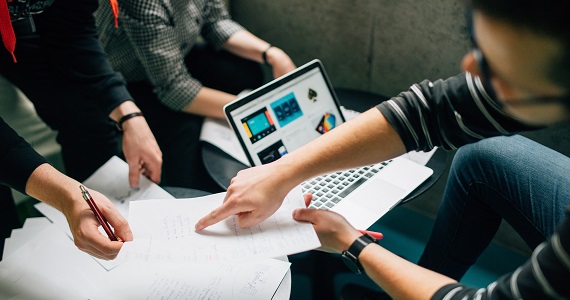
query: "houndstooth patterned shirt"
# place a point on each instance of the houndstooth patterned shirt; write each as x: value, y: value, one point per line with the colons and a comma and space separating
x: 153, y: 38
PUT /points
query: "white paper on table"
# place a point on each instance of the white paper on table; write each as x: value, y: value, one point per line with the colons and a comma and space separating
x: 258, y: 279
x: 219, y: 133
x: 111, y: 180
x: 49, y: 266
x: 164, y: 232
x: 32, y: 227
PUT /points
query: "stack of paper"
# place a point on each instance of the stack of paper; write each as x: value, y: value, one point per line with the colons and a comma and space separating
x: 166, y: 260
x: 41, y: 262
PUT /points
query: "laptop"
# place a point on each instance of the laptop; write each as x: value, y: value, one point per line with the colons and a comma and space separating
x: 291, y: 111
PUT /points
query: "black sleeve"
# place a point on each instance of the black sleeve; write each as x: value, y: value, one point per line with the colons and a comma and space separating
x: 17, y: 159
x: 447, y: 113
x: 69, y: 35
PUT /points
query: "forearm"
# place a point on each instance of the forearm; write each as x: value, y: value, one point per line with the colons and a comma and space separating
x: 209, y: 103
x: 49, y: 185
x: 245, y: 44
x: 365, y: 140
x: 399, y: 277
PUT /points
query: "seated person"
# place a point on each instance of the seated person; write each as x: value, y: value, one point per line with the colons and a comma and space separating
x: 178, y: 80
x: 516, y: 78
x: 486, y: 184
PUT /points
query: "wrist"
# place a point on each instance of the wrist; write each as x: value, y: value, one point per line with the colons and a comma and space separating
x: 351, y: 255
x: 122, y: 110
x: 348, y: 239
x: 126, y: 118
x: 290, y: 170
x: 272, y: 55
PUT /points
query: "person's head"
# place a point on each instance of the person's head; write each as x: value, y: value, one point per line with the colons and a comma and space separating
x: 525, y: 54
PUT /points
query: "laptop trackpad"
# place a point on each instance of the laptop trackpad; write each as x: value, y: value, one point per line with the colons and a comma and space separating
x: 377, y: 194
x: 370, y: 202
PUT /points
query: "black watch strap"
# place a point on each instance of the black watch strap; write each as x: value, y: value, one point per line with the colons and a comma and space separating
x: 350, y: 256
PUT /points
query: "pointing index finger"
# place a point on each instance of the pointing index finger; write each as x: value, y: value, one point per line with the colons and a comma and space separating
x: 216, y: 215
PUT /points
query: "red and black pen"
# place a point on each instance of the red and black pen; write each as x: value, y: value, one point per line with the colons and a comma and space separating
x: 98, y: 215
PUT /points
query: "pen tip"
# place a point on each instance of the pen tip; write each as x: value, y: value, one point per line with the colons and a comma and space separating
x: 82, y: 188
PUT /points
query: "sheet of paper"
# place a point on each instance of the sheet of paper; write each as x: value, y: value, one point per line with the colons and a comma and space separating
x: 49, y: 266
x: 111, y: 180
x: 32, y: 227
x: 164, y: 232
x: 420, y: 157
x: 257, y: 279
x: 219, y: 133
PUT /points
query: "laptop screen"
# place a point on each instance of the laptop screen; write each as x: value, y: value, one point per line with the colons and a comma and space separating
x: 285, y: 114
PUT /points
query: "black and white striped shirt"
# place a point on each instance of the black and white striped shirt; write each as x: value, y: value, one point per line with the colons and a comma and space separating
x: 457, y: 111
x: 447, y: 113
x: 153, y: 38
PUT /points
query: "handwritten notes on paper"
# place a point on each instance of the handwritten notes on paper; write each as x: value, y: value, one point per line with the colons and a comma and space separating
x: 164, y: 232
x: 253, y: 280
x: 41, y: 262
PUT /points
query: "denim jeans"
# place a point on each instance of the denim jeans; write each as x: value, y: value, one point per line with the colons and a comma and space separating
x: 510, y: 178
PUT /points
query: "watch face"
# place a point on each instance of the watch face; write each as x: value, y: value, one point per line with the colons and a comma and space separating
x: 350, y: 261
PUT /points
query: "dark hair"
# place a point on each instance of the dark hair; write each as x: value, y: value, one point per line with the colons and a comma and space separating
x: 542, y: 16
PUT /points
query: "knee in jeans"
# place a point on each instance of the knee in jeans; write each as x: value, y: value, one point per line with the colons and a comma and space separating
x: 490, y: 152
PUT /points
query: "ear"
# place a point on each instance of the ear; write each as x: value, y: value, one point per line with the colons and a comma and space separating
x: 501, y: 88
x: 469, y: 64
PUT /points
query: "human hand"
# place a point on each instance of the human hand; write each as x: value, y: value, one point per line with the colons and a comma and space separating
x: 280, y: 62
x: 141, y: 151
x: 85, y: 227
x: 334, y: 231
x: 253, y: 195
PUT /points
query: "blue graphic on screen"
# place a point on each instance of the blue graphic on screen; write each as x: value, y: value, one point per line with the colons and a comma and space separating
x: 286, y: 109
x: 258, y: 123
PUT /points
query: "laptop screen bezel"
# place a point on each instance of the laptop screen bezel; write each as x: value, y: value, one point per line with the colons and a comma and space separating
x: 271, y: 86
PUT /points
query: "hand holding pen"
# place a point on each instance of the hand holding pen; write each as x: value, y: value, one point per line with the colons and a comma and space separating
x: 98, y: 215
x: 85, y: 228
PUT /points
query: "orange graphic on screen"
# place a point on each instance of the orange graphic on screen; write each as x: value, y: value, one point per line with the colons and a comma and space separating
x: 249, y: 135
x: 327, y: 123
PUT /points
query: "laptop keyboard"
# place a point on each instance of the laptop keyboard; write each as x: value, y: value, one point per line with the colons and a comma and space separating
x: 329, y: 189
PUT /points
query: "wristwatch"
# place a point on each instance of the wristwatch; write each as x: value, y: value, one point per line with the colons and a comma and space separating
x: 350, y: 256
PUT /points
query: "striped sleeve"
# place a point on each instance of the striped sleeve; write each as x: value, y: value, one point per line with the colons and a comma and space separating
x: 546, y: 275
x: 447, y: 113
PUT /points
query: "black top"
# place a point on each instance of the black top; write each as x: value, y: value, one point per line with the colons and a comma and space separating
x: 447, y: 113
x: 69, y: 38
x: 17, y: 158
